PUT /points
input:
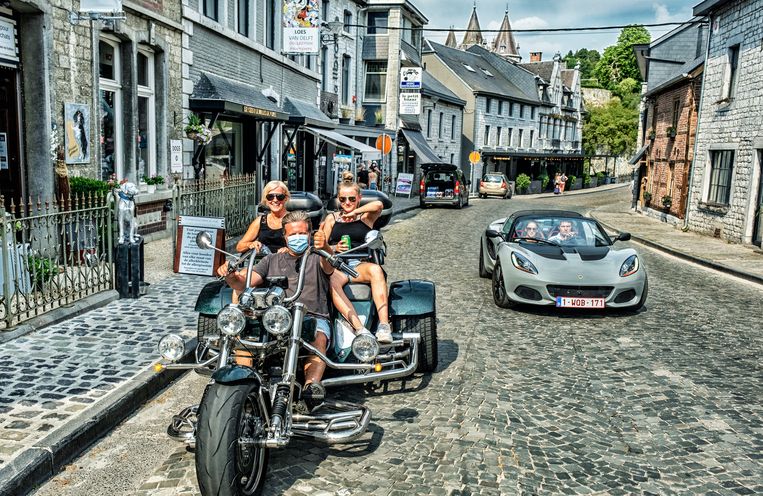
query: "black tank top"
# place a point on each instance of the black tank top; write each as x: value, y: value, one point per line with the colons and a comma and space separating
x: 356, y: 230
x: 272, y: 238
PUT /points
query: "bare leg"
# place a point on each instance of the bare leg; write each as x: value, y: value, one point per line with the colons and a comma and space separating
x: 373, y: 274
x: 314, y: 366
x: 341, y: 302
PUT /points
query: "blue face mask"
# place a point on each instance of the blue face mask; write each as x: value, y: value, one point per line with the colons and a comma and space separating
x: 297, y: 243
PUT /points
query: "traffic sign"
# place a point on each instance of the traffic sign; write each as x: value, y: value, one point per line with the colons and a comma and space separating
x: 384, y: 144
x: 474, y: 157
x: 410, y: 78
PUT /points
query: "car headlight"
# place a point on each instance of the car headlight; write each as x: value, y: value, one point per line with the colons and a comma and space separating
x: 276, y: 320
x: 630, y: 266
x: 171, y: 347
x: 365, y: 348
x: 522, y: 263
x: 231, y: 321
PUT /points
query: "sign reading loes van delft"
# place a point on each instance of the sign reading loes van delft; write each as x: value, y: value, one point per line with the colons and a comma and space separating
x: 301, y: 26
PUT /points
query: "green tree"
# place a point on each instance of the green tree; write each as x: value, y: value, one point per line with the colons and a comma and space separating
x: 587, y: 59
x: 611, y: 129
x: 619, y: 60
x: 628, y: 90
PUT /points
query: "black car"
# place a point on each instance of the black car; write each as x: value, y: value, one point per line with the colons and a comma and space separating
x: 443, y: 184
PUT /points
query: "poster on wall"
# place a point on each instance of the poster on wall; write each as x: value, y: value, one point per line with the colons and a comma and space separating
x: 301, y: 26
x: 76, y: 133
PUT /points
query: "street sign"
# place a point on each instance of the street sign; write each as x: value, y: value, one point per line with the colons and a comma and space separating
x: 410, y: 103
x: 474, y: 157
x: 301, y: 22
x: 410, y: 78
x: 384, y: 144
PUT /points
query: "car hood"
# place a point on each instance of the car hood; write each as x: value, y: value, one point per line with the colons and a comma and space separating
x: 585, y: 253
x: 573, y: 265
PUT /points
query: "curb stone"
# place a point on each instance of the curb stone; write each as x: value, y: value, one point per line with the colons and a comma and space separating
x: 40, y: 463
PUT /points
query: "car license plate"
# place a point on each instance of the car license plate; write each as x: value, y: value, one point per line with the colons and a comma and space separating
x: 567, y: 302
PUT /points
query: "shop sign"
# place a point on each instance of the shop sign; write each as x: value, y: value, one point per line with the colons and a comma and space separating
x: 258, y: 111
x: 176, y: 156
x: 3, y: 151
x: 301, y: 26
x: 8, y: 40
x: 404, y: 184
x: 410, y: 103
x: 189, y: 258
x: 410, y: 78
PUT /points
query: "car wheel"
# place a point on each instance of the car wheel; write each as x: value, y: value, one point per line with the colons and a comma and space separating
x: 644, y: 295
x: 500, y: 296
x: 482, y: 270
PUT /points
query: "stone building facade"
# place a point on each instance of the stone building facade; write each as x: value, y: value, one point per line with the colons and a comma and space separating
x: 727, y: 185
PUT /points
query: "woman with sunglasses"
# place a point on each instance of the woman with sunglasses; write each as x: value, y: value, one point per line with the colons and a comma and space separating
x: 355, y: 221
x: 267, y: 230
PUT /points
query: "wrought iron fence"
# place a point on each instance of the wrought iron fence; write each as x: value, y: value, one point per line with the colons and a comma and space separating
x: 234, y: 198
x: 53, y: 254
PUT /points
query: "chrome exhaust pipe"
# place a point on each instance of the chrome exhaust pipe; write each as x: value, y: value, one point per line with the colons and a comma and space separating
x: 377, y: 376
x: 333, y: 428
x: 183, y: 426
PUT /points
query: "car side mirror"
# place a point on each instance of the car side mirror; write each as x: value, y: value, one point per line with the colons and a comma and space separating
x: 623, y: 236
x: 492, y: 233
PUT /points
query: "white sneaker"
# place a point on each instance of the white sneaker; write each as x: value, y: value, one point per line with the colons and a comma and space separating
x: 384, y: 333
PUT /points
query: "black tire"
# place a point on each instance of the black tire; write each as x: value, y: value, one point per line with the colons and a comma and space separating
x: 224, y: 416
x: 644, y: 295
x: 422, y: 204
x: 427, y: 328
x: 500, y: 297
x: 483, y: 271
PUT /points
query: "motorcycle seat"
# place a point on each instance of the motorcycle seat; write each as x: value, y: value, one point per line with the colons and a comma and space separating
x: 358, y: 291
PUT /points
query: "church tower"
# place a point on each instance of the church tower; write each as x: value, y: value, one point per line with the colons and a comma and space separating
x: 450, y: 41
x: 504, y: 44
x: 473, y: 35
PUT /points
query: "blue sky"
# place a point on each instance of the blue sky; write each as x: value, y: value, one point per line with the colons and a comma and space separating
x: 555, y: 14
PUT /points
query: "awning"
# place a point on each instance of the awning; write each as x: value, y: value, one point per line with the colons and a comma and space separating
x: 302, y: 112
x: 368, y: 152
x: 640, y: 153
x: 419, y: 144
x: 214, y: 93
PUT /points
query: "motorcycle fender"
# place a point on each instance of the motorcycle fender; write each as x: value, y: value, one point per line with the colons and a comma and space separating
x: 235, y: 373
x: 412, y: 297
x: 213, y: 298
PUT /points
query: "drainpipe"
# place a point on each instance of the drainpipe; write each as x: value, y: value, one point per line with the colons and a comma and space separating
x: 699, y: 123
x: 358, y: 61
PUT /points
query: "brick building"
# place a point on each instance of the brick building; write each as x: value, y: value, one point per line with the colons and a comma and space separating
x: 671, y: 67
x: 726, y: 188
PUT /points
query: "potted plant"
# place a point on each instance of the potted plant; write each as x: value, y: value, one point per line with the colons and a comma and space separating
x: 196, y: 130
x: 671, y: 132
x: 586, y: 180
x: 647, y: 196
x: 571, y: 182
x: 667, y: 201
x: 544, y: 179
x: 522, y: 183
x: 152, y: 182
x: 379, y: 117
x: 360, y: 114
x: 651, y: 134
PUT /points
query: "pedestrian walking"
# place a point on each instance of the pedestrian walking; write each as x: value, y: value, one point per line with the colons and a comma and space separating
x: 373, y: 176
x: 562, y: 182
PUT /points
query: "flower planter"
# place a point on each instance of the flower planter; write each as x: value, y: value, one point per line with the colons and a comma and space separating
x: 192, y: 135
x: 151, y: 189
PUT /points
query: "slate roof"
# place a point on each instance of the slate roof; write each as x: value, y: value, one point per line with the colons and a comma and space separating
x: 473, y: 34
x: 307, y: 111
x: 504, y: 43
x: 568, y: 78
x: 218, y: 88
x: 521, y: 78
x: 687, y: 68
x: 432, y: 87
x: 543, y: 69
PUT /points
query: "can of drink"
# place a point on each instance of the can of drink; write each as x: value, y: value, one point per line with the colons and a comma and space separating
x: 346, y: 239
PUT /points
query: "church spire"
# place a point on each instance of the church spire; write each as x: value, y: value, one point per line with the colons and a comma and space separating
x: 504, y: 44
x: 473, y: 35
x: 451, y: 39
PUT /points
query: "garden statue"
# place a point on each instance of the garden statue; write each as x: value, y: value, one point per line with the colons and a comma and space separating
x: 128, y: 225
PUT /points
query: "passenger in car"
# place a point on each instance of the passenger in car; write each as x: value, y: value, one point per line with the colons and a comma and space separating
x: 532, y: 231
x: 356, y: 222
x: 565, y: 235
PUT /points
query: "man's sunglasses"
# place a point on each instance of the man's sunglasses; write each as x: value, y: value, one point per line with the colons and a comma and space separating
x: 276, y: 196
x: 351, y: 199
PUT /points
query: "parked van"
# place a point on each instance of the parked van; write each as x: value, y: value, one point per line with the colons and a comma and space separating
x: 443, y: 184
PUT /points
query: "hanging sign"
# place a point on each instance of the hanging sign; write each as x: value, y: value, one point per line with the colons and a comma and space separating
x: 101, y: 6
x: 301, y: 26
x: 176, y: 156
x: 8, y: 40
x: 410, y: 78
x: 410, y: 103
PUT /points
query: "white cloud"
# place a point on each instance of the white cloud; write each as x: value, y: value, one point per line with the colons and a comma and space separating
x: 533, y: 22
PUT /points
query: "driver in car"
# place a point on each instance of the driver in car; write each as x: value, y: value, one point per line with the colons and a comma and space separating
x: 565, y: 235
x: 315, y: 291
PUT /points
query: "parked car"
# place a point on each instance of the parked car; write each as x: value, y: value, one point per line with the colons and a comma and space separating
x: 561, y: 258
x: 495, y: 184
x: 443, y: 184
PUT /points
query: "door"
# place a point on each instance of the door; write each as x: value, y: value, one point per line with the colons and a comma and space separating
x: 757, y: 232
x: 10, y: 162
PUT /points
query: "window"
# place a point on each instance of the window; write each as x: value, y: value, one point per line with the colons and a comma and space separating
x: 347, y: 20
x: 376, y: 81
x: 439, y: 126
x: 429, y: 123
x: 511, y: 109
x: 730, y: 83
x: 377, y: 22
x: 521, y: 111
x: 242, y: 12
x: 346, y: 79
x: 210, y: 9
x: 452, y: 127
x: 487, y: 73
x: 110, y: 108
x: 721, y: 163
x: 488, y: 105
x: 452, y: 158
x: 487, y: 135
x: 509, y: 137
x: 468, y: 67
x: 146, y: 115
x: 500, y: 107
x: 532, y: 135
x: 519, y: 137
x: 532, y: 113
x: 676, y: 113
x: 498, y: 136
x: 270, y: 25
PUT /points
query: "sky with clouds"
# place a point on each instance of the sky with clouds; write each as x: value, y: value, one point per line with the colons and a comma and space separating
x: 555, y: 14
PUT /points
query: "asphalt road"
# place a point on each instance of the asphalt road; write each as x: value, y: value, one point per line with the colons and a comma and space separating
x: 665, y: 401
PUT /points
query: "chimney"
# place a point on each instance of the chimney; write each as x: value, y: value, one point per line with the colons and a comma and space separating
x: 536, y: 56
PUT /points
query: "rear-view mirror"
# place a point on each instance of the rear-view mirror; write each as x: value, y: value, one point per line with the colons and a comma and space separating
x: 374, y: 240
x: 204, y: 240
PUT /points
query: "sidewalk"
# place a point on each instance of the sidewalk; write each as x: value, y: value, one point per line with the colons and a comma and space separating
x: 742, y: 261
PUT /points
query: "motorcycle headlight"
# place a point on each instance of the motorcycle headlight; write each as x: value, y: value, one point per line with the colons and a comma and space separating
x: 276, y: 320
x: 275, y: 296
x: 630, y: 266
x: 522, y: 263
x: 171, y: 347
x: 365, y: 348
x: 231, y: 321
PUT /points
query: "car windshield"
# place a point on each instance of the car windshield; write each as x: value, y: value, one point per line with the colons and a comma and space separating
x: 566, y: 231
x: 492, y: 179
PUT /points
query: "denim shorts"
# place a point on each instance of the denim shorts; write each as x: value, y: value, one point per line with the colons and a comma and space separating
x: 313, y: 324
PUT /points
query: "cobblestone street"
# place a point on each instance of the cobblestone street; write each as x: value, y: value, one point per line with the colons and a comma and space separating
x: 665, y: 401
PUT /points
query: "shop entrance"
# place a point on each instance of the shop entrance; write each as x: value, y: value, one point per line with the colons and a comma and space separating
x: 10, y: 163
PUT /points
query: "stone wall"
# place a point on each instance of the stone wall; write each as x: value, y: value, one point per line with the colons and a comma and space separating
x: 730, y: 124
x: 596, y: 97
x: 443, y: 145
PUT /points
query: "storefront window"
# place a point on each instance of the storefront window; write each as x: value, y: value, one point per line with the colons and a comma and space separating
x: 223, y: 154
x: 109, y: 156
x: 110, y: 109
x: 146, y: 139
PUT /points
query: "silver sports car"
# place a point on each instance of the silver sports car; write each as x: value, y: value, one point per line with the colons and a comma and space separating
x: 557, y: 257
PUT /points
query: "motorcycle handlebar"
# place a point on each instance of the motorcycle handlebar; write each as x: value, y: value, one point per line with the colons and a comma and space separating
x: 337, y: 263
